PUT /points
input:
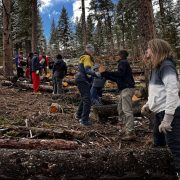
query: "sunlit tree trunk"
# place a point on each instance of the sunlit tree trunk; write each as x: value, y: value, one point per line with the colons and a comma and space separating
x: 7, y: 50
x: 84, y: 24
x: 146, y: 22
x: 34, y: 25
x: 146, y: 30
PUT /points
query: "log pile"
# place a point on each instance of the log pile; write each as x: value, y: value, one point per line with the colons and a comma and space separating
x: 87, y: 164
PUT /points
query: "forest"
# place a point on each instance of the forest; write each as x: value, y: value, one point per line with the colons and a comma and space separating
x: 40, y: 137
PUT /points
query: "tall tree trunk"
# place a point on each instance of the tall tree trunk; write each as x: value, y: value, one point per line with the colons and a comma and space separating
x: 146, y: 22
x: 146, y: 29
x: 110, y: 35
x: 84, y: 24
x: 161, y: 6
x: 7, y: 50
x: 34, y: 25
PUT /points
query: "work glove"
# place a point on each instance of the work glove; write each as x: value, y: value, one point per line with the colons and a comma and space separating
x: 166, y: 124
x: 37, y: 71
x: 145, y: 109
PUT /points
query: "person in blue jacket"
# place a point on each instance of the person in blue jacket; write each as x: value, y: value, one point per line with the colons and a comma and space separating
x: 83, y: 80
x: 125, y: 81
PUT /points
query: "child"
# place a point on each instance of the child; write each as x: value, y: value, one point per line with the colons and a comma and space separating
x: 96, y: 89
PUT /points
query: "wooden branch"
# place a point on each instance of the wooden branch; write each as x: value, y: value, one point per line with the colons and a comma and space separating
x: 70, y: 134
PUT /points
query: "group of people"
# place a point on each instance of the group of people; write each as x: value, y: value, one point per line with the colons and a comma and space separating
x: 163, y: 91
x: 163, y: 94
x: 37, y: 65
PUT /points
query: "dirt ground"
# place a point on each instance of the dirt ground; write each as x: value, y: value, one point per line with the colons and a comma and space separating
x: 19, y: 105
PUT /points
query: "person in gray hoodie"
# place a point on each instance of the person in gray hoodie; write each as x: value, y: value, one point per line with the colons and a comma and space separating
x: 59, y: 71
x: 97, y: 87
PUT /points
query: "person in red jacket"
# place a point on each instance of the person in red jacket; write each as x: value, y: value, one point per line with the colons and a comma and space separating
x: 35, y: 69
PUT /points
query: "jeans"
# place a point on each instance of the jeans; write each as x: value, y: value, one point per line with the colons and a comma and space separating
x: 172, y: 139
x: 125, y: 111
x: 96, y: 94
x: 57, y: 85
x: 85, y: 103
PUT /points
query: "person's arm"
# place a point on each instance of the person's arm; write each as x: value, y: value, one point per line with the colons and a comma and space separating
x: 170, y: 80
x: 116, y: 74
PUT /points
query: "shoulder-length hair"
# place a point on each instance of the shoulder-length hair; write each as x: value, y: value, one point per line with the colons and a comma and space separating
x: 161, y: 50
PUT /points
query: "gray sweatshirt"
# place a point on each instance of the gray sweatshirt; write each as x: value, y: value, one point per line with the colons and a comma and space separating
x: 164, y: 88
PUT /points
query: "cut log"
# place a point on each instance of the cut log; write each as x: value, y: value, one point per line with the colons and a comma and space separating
x: 103, y: 112
x: 55, y: 107
x: 104, y: 164
x: 57, y: 144
x: 71, y: 82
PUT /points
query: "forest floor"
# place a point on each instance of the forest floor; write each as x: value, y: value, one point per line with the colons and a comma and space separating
x: 19, y: 105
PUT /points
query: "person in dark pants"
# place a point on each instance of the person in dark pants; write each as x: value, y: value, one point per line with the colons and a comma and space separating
x: 125, y: 81
x: 163, y: 98
x: 19, y: 65
x: 59, y: 71
x: 84, y: 81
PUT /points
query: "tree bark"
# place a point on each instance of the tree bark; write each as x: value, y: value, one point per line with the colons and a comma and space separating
x: 7, y: 50
x: 147, y: 31
x: 87, y: 164
x: 56, y: 144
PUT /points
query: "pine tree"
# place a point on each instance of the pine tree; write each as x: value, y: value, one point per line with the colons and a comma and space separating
x: 1, y: 27
x: 90, y: 29
x: 41, y: 40
x: 21, y: 23
x: 83, y: 18
x: 64, y: 33
x: 167, y: 22
x: 78, y: 36
x: 53, y: 42
x: 103, y: 10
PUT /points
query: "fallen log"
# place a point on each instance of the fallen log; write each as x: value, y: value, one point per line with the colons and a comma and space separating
x: 44, y: 133
x: 55, y: 144
x: 126, y: 164
x: 103, y: 112
x: 70, y: 82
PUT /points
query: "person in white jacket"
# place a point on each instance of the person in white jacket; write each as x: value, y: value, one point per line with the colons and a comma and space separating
x: 163, y: 98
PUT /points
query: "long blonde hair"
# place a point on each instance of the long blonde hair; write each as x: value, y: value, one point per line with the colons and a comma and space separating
x: 160, y: 51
